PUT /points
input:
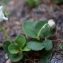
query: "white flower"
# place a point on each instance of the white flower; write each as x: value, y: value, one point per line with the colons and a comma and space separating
x: 51, y: 23
x: 1, y: 7
x: 2, y: 17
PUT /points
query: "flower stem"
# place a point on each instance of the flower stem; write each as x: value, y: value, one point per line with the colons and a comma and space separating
x: 38, y: 36
x: 3, y: 29
x: 45, y: 38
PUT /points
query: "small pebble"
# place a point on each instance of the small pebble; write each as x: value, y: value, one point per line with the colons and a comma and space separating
x: 8, y: 61
x: 6, y: 56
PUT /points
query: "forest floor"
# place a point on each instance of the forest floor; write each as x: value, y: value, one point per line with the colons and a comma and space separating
x: 20, y: 12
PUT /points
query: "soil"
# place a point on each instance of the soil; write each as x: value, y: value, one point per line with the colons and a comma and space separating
x: 20, y: 12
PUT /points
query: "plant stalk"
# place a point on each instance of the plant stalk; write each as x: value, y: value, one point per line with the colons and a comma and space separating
x: 38, y: 36
x: 45, y: 38
x: 4, y: 31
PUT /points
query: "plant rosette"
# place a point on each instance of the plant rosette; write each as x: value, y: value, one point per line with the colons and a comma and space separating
x: 15, y: 49
x: 37, y: 31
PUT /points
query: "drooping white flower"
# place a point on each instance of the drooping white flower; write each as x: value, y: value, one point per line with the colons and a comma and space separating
x: 1, y: 7
x: 2, y: 17
x: 51, y: 23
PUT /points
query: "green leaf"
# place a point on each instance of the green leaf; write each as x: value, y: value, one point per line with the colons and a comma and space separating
x: 38, y: 26
x: 7, y: 14
x: 46, y: 32
x: 35, y: 45
x: 26, y: 48
x: 33, y: 3
x: 5, y: 46
x: 28, y: 28
x: 5, y: 1
x: 15, y: 57
x: 61, y: 46
x: 59, y: 2
x: 49, y: 32
x: 46, y: 57
x: 13, y: 48
x: 20, y: 40
x: 47, y: 44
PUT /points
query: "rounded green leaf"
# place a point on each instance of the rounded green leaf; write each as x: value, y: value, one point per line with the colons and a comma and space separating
x: 20, y: 40
x: 5, y: 46
x: 35, y: 45
x: 28, y: 28
x: 47, y: 44
x: 39, y: 24
x: 26, y: 48
x: 15, y: 57
x: 46, y: 57
x: 13, y: 48
x: 46, y: 32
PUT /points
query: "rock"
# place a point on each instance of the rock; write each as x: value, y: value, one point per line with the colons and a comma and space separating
x: 8, y: 61
x: 6, y: 56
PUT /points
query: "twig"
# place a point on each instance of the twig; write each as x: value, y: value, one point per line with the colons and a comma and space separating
x: 28, y: 57
x: 57, y: 40
x: 0, y: 45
